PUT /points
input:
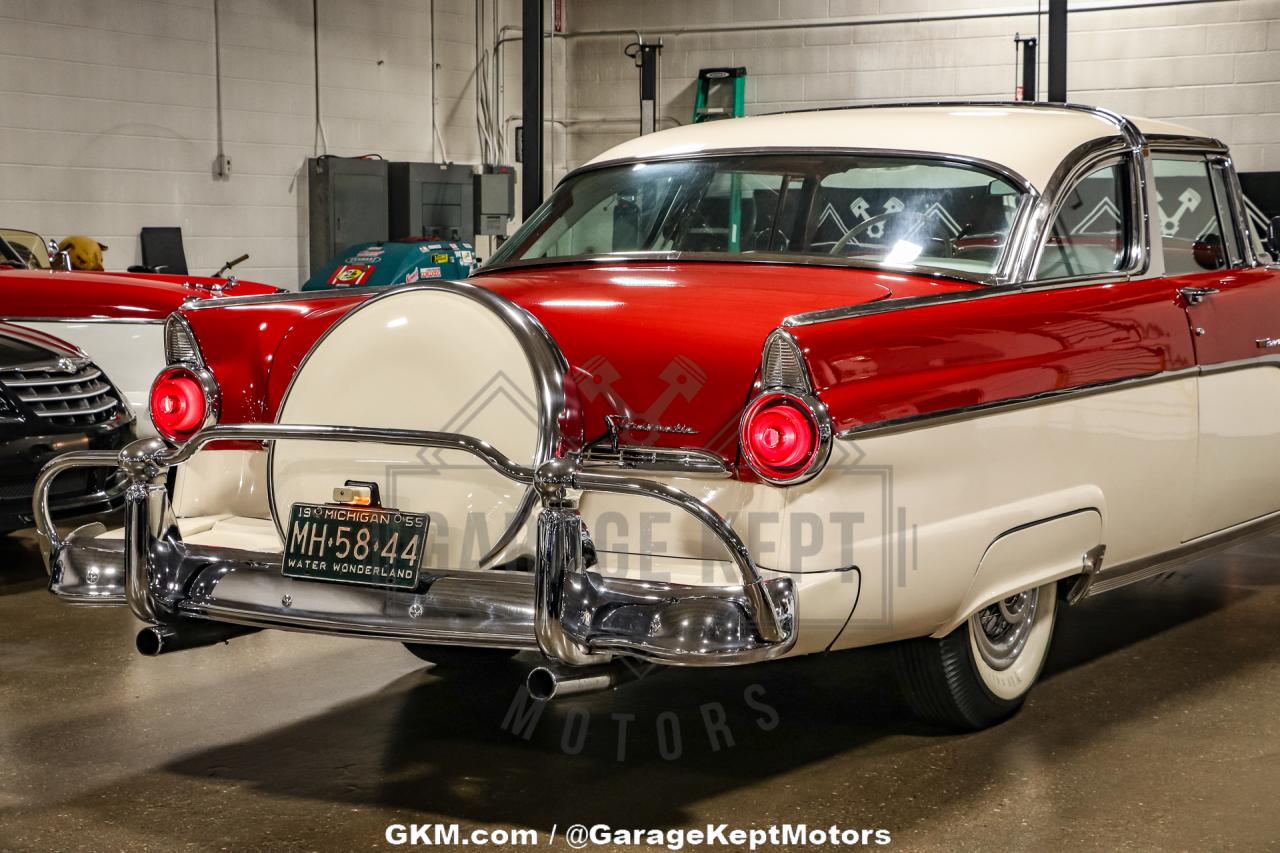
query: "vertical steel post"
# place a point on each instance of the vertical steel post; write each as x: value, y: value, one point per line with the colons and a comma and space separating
x: 1029, y: 84
x: 532, y: 103
x: 1058, y: 51
x: 648, y: 59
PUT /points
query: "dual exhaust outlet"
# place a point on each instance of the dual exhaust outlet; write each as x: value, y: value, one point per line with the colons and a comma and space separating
x: 544, y: 682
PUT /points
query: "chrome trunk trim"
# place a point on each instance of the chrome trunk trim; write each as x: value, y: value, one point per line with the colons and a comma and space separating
x: 669, y: 460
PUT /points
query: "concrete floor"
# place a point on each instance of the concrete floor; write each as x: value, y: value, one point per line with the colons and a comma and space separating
x: 1156, y: 728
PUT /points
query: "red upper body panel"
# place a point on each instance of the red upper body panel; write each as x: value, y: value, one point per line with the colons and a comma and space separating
x: 658, y: 342
x: 680, y: 344
x: 973, y: 352
x: 108, y: 295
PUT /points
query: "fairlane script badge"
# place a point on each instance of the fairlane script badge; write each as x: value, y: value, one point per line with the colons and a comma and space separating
x: 365, y: 545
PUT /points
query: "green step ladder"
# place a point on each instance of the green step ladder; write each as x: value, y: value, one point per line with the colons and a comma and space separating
x: 717, y: 79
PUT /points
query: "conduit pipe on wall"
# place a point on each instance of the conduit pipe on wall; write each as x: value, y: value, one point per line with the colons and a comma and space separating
x: 879, y: 20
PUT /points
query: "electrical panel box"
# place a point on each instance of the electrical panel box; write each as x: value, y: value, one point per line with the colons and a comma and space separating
x: 495, y: 200
x: 347, y: 204
x: 431, y: 200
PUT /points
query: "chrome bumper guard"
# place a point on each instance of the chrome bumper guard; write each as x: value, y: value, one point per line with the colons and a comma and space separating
x: 569, y: 612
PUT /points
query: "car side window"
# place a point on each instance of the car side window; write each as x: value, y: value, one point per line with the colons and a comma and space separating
x: 1090, y: 232
x: 1197, y: 229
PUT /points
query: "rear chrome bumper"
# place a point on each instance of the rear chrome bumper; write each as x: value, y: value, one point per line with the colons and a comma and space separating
x: 563, y: 608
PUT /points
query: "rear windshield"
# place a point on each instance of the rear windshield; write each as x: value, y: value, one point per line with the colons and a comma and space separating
x: 900, y: 211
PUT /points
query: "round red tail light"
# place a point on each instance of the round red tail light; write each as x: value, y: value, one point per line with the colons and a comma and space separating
x: 785, y: 437
x: 183, y: 401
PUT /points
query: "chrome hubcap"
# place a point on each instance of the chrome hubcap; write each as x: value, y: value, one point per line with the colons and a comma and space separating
x: 1001, y: 630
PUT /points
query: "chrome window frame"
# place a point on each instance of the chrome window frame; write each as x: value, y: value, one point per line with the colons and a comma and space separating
x: 1035, y: 227
x: 1235, y: 192
x: 1211, y: 153
x: 1127, y: 142
x: 1220, y: 182
x: 1251, y: 240
x: 1076, y: 168
x: 1003, y: 272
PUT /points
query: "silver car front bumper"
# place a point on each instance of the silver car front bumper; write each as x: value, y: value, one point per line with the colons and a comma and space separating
x: 562, y: 608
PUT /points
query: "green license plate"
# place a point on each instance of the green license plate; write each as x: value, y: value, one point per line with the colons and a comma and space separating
x: 353, y: 544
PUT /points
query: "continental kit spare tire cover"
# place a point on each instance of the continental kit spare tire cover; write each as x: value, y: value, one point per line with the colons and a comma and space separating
x: 439, y: 357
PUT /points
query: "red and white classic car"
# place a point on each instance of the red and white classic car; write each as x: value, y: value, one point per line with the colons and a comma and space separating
x: 117, y: 318
x: 737, y: 391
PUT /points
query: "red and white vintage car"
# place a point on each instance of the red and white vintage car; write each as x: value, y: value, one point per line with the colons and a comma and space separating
x: 737, y: 391
x: 117, y: 318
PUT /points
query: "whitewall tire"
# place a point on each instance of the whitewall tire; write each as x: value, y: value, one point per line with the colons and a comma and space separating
x: 981, y: 672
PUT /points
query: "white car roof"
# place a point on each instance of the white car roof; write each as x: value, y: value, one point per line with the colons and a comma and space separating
x: 1029, y: 140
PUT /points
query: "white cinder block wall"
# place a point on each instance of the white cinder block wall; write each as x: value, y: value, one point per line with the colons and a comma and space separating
x: 108, y: 120
x: 1212, y: 65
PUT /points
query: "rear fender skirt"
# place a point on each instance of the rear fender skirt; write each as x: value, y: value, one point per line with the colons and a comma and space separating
x: 1030, y: 556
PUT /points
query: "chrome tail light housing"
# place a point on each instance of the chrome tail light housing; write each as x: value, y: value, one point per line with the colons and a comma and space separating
x: 785, y: 433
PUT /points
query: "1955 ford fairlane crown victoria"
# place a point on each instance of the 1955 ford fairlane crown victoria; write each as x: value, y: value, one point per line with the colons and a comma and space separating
x: 764, y: 387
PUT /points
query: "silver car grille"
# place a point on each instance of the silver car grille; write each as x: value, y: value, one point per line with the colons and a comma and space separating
x: 65, y: 393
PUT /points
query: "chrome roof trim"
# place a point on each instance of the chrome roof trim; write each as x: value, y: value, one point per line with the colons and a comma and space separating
x: 999, y: 169
x: 1126, y: 127
x: 1206, y: 144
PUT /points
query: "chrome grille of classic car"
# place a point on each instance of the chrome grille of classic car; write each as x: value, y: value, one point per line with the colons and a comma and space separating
x: 67, y: 392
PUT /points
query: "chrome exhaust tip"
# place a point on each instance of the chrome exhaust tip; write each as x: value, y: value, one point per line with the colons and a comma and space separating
x: 549, y: 680
x: 161, y: 639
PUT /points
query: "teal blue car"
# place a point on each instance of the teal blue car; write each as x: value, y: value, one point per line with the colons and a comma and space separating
x: 395, y: 262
